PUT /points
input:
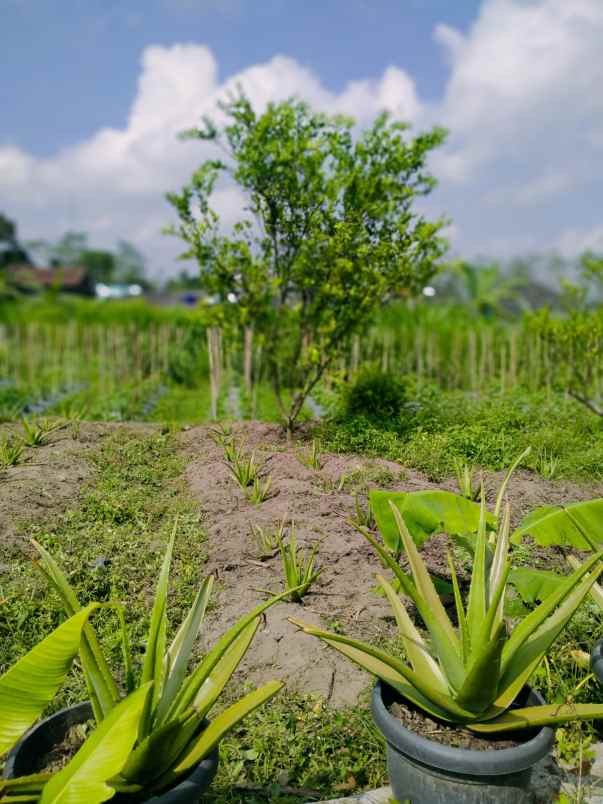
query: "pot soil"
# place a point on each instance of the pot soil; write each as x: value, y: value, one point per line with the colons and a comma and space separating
x: 435, y: 770
x: 40, y: 746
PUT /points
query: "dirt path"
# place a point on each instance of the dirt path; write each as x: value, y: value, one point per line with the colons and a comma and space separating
x: 318, y: 504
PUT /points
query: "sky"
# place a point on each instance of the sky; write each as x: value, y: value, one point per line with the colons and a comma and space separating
x: 94, y: 92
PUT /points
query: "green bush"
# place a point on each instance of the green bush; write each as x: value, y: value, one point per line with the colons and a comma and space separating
x: 376, y: 395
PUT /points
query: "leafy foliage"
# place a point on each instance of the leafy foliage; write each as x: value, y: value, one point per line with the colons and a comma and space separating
x: 338, y: 231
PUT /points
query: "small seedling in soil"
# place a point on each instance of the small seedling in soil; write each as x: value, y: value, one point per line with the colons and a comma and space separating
x: 268, y: 542
x: 37, y: 432
x: 313, y: 457
x: 244, y: 469
x: 465, y: 478
x: 259, y: 492
x: 547, y: 465
x: 298, y: 569
x: 221, y: 435
x: 10, y: 452
x: 364, y: 517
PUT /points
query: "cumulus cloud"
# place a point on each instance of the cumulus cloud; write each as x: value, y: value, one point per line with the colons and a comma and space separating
x: 521, y: 171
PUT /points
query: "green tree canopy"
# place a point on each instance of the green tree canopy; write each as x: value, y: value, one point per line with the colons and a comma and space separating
x: 330, y: 230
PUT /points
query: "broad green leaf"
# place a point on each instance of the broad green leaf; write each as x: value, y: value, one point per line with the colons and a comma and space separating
x: 579, y: 525
x: 533, y: 584
x: 536, y: 716
x: 102, y: 689
x: 443, y: 634
x: 28, y: 686
x: 101, y: 757
x: 414, y: 644
x: 179, y: 652
x: 221, y: 725
x: 425, y: 513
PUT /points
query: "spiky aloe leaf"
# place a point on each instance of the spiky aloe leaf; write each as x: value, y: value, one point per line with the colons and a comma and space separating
x: 530, y: 717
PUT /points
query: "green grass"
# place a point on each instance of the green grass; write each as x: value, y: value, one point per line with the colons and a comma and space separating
x: 111, y: 548
x: 489, y: 431
x: 296, y: 749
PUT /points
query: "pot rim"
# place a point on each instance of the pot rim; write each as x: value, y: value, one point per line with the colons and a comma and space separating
x: 458, y: 760
x: 79, y: 713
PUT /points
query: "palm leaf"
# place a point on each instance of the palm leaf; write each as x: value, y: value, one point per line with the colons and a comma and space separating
x: 425, y: 513
x: 579, y: 525
x: 100, y: 758
x: 102, y: 689
x: 28, y: 686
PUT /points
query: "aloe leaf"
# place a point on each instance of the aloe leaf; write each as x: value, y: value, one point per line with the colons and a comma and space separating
x: 448, y: 652
x: 536, y: 618
x: 221, y: 725
x: 536, y: 716
x: 192, y: 684
x: 460, y: 613
x: 100, y: 758
x: 156, y: 753
x: 425, y: 513
x: 220, y: 676
x: 441, y: 629
x: 579, y: 525
x: 383, y: 671
x: 102, y: 689
x: 31, y: 785
x: 179, y: 652
x: 517, y: 671
x: 30, y: 684
x: 414, y: 644
x: 153, y: 665
x: 481, y: 683
x: 445, y: 702
x: 501, y: 492
x: 596, y: 590
x: 477, y: 601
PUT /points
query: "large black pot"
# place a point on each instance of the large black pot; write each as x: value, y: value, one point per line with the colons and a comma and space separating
x: 596, y: 660
x: 22, y: 760
x: 426, y: 772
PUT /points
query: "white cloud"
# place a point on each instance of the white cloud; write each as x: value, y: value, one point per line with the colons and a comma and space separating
x: 522, y: 169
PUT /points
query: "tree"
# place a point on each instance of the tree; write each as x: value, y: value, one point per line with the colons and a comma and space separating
x: 100, y: 264
x: 129, y: 265
x: 331, y: 232
x: 483, y: 289
x: 11, y: 252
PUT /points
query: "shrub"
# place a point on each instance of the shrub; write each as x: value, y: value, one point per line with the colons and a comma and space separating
x: 375, y: 394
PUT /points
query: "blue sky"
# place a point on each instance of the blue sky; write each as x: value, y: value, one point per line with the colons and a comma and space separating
x: 94, y: 92
x: 69, y: 73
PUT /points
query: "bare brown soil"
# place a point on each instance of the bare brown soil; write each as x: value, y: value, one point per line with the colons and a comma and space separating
x: 320, y: 505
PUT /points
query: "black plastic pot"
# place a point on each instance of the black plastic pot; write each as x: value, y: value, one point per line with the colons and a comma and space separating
x: 23, y: 759
x: 596, y: 660
x: 426, y: 772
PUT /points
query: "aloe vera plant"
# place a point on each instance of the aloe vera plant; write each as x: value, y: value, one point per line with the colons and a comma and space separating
x: 172, y: 736
x: 298, y: 568
x: 471, y: 675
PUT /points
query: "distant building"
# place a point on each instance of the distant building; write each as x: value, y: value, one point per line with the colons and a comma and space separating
x: 66, y: 279
x: 114, y: 291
